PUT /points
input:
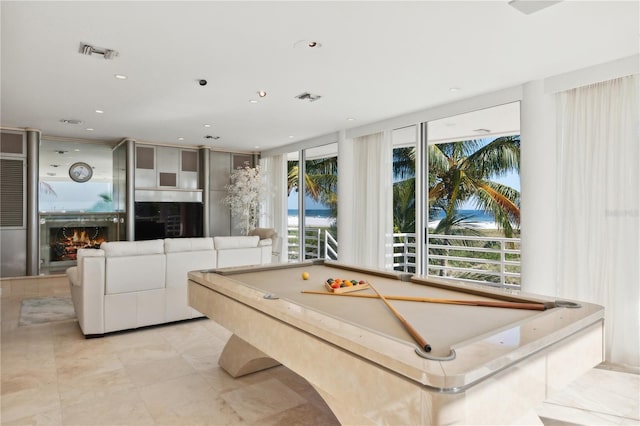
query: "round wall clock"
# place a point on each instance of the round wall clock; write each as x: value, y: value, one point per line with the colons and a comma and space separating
x: 80, y: 172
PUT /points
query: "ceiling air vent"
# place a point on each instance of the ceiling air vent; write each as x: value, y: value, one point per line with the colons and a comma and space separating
x: 70, y: 121
x: 87, y: 49
x: 306, y: 96
x: 531, y: 6
x: 215, y: 138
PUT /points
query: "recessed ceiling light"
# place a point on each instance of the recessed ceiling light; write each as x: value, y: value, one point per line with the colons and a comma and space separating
x: 350, y: 119
x: 262, y: 93
x: 89, y: 129
x: 310, y: 44
x: 482, y: 130
x: 257, y: 146
x: 454, y: 89
x: 180, y: 138
x: 99, y: 111
x: 120, y: 76
x: 290, y: 136
x: 207, y: 125
x: 76, y: 150
x: 253, y: 101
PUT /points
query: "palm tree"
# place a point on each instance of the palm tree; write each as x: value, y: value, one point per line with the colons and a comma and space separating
x: 320, y: 184
x: 404, y: 206
x: 404, y: 190
x: 462, y: 171
x: 320, y: 180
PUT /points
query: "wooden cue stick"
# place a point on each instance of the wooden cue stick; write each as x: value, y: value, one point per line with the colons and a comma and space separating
x: 412, y: 331
x: 512, y: 305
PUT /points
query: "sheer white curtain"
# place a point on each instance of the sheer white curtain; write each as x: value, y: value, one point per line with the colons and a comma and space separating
x: 599, y: 190
x: 274, y: 209
x: 373, y: 198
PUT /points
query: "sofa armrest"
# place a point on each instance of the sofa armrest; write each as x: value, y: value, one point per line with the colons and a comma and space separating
x: 265, y: 254
x: 88, y: 292
x: 265, y: 242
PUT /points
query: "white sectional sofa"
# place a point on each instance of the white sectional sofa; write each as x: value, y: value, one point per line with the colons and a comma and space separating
x: 131, y: 284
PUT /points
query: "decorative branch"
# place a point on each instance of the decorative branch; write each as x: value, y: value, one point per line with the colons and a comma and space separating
x: 246, y: 191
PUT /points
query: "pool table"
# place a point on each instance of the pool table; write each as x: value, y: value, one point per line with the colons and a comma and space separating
x: 485, y: 365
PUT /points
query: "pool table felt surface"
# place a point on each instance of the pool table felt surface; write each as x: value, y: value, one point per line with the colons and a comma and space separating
x: 443, y: 326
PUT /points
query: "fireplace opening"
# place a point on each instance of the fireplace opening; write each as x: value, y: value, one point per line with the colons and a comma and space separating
x: 65, y: 241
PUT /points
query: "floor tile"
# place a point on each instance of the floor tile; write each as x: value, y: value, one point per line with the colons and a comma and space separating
x: 125, y: 409
x: 29, y: 402
x: 261, y: 400
x: 147, y: 373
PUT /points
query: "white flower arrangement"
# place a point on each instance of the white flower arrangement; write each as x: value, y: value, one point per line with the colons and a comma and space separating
x: 246, y: 191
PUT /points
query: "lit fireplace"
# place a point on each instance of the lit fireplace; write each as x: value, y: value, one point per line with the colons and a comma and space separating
x: 66, y: 241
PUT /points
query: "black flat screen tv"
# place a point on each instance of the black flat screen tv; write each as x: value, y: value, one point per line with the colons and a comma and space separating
x: 155, y: 220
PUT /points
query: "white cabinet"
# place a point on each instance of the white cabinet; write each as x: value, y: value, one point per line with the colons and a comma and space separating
x: 166, y: 167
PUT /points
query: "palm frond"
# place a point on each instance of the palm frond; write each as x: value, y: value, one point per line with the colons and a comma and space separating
x: 497, y: 158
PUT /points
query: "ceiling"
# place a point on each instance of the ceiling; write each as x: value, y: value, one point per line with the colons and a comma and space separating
x: 375, y: 60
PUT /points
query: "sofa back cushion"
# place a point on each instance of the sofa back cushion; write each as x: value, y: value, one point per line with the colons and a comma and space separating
x: 173, y: 245
x: 134, y: 266
x: 132, y: 248
x: 239, y: 257
x: 226, y: 243
x: 188, y: 254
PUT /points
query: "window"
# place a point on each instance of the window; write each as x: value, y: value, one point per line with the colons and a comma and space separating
x: 320, y: 203
x: 404, y: 198
x: 473, y: 190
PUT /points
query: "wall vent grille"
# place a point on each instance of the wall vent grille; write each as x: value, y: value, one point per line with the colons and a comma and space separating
x: 11, y: 193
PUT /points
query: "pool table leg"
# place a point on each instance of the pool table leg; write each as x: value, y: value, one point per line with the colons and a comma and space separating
x: 240, y: 358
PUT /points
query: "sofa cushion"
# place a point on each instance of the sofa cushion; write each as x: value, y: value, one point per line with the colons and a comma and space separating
x: 135, y: 273
x: 264, y: 233
x: 179, y: 264
x: 225, y: 243
x: 132, y: 248
x: 172, y: 245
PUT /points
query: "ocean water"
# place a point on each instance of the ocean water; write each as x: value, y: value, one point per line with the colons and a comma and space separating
x: 477, y: 216
x: 474, y: 216
x: 312, y: 212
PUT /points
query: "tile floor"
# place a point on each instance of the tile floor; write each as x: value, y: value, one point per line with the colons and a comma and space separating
x: 169, y: 375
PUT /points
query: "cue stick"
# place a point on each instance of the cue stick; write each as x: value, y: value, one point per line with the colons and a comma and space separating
x: 412, y: 331
x: 512, y: 305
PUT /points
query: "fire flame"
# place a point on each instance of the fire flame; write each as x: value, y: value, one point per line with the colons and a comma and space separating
x: 66, y: 245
